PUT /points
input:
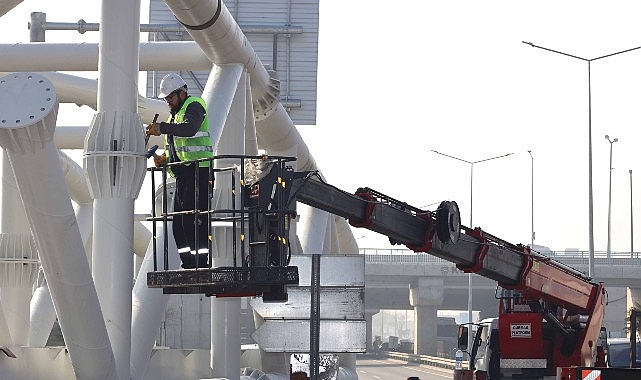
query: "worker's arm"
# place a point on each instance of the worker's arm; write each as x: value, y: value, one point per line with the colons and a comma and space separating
x: 194, y: 116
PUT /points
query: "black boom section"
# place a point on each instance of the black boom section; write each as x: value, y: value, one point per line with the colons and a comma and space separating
x: 474, y: 251
x: 400, y: 226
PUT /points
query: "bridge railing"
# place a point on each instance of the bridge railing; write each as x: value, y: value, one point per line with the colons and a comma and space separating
x: 431, y: 361
x: 574, y: 259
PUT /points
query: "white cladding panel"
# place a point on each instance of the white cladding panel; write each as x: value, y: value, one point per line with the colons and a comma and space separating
x: 296, y: 58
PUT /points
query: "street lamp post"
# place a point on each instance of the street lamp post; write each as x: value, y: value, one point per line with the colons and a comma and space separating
x: 590, y: 196
x: 631, y: 220
x: 469, y: 275
x: 610, y: 195
x: 532, y: 197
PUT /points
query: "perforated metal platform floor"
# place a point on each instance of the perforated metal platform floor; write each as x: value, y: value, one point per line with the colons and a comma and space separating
x: 226, y: 281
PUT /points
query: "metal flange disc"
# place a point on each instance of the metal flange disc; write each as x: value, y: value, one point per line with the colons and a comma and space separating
x: 448, y: 222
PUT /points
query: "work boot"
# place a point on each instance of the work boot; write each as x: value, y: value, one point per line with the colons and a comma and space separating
x: 202, y: 260
x: 188, y: 261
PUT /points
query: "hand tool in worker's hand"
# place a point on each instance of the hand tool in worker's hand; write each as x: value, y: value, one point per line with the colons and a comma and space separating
x: 147, y: 137
x: 152, y: 151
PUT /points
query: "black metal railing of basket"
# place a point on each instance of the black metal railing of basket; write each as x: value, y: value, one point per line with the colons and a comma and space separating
x: 237, y: 215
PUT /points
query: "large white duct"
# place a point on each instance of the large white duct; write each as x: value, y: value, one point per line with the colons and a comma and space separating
x: 29, y: 101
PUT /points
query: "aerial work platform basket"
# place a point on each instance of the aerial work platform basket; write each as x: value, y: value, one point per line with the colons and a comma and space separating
x: 250, y: 207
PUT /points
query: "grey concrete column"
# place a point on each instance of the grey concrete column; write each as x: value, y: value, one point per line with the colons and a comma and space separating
x: 425, y: 297
x: 368, y: 330
x: 489, y: 313
x: 616, y: 311
x: 633, y: 298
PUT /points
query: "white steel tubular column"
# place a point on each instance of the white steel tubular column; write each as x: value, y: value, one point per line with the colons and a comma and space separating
x: 17, y: 275
x: 43, y: 314
x: 227, y: 94
x: 29, y: 103
x: 115, y: 165
x: 148, y: 304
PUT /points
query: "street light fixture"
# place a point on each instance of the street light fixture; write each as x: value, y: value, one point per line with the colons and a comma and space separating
x: 610, y: 194
x: 590, y: 196
x: 469, y: 275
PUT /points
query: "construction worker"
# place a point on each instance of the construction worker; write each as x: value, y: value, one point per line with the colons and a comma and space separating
x: 187, y: 138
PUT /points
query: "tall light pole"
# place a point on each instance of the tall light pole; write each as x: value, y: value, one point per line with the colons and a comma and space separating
x: 590, y: 196
x: 610, y: 195
x: 532, y: 197
x: 469, y: 275
x: 631, y: 220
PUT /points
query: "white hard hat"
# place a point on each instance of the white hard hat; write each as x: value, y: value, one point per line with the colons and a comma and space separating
x: 170, y: 83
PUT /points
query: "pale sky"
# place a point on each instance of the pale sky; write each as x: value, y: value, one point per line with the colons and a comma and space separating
x: 399, y: 79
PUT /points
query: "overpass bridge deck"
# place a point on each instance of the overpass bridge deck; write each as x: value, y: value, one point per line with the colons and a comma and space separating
x: 620, y: 269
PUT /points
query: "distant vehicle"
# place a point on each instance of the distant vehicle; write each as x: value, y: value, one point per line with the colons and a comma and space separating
x: 406, y: 346
x: 619, y: 353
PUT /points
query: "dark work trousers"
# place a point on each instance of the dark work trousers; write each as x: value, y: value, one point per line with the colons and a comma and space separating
x: 183, y: 226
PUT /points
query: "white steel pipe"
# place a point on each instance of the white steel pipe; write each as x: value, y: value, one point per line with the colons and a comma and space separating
x: 29, y: 101
x: 228, y: 83
x: 345, y: 236
x: 43, y: 314
x: 75, y: 179
x: 225, y: 332
x: 5, y: 335
x: 79, y: 191
x: 15, y: 304
x: 154, y: 56
x: 148, y: 304
x: 218, y: 95
x: 312, y: 227
x: 251, y: 142
x: 18, y: 260
x: 13, y: 217
x: 84, y: 91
